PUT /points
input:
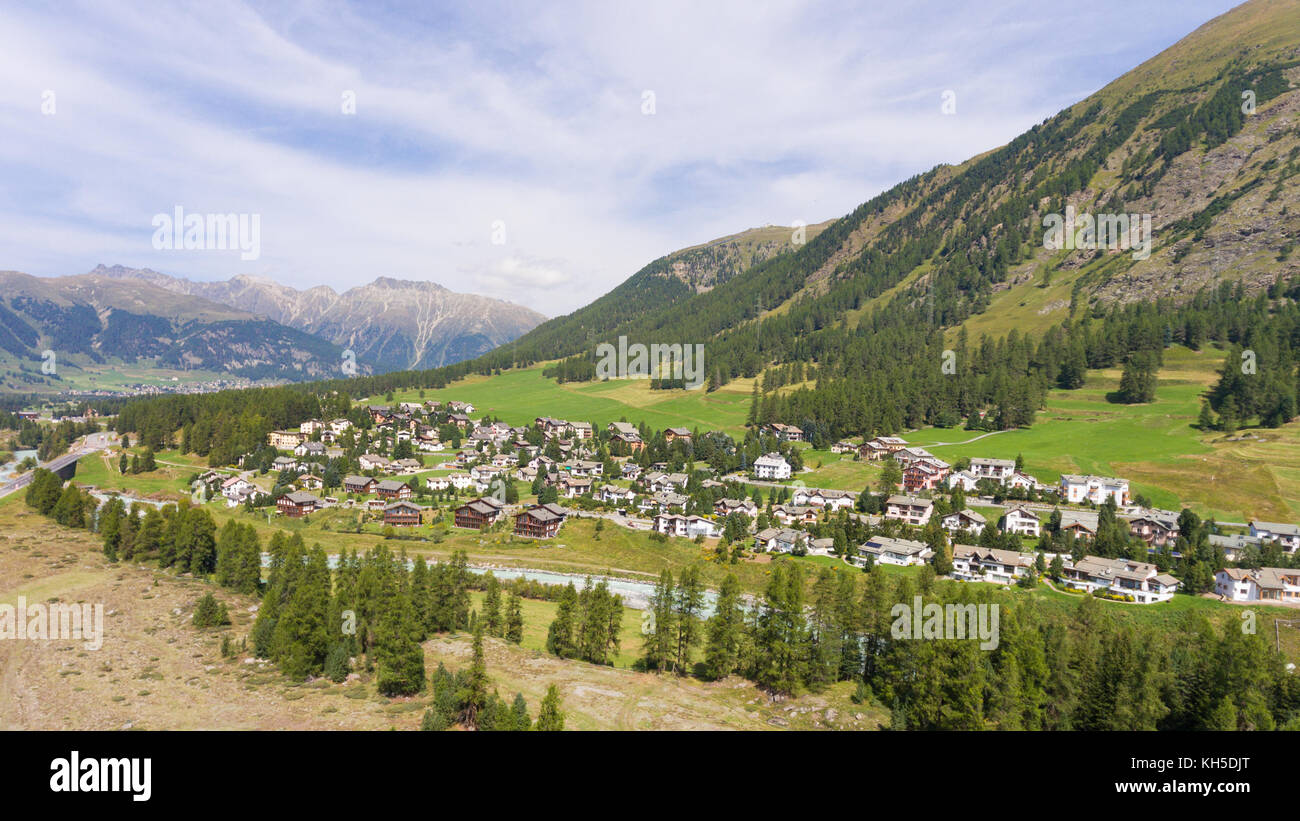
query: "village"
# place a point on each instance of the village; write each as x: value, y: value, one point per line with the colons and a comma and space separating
x: 409, y: 466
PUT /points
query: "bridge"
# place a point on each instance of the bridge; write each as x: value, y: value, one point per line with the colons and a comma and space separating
x: 65, y: 466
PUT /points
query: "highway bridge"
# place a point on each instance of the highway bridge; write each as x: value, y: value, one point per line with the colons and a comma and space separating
x: 65, y: 466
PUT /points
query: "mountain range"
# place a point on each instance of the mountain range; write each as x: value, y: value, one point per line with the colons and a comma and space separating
x: 248, y: 326
x: 1202, y: 140
x: 391, y: 324
x: 96, y: 318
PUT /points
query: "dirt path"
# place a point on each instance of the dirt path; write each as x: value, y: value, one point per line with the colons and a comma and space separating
x: 967, y: 442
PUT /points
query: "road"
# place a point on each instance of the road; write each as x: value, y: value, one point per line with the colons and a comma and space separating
x: 91, y: 444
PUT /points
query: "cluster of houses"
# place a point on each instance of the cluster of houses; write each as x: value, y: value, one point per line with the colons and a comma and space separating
x: 414, y: 422
x: 1139, y: 582
x: 661, y: 494
x: 1156, y: 527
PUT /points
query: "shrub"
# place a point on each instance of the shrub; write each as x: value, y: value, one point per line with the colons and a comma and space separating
x: 337, y: 665
x: 210, y: 612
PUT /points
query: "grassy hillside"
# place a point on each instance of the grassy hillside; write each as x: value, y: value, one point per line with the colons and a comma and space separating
x: 521, y: 395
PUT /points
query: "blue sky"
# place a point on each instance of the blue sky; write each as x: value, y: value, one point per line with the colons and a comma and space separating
x: 526, y: 115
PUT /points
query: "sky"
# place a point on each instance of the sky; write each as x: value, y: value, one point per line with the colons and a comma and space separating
x: 535, y: 152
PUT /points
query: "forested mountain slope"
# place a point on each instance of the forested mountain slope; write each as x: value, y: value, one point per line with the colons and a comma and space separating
x: 1202, y: 140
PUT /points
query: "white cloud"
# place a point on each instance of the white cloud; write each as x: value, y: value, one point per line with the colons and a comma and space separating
x: 765, y: 113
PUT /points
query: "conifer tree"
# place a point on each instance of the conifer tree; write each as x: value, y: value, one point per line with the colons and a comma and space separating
x: 688, y: 600
x: 559, y: 637
x: 473, y: 695
x: 551, y: 717
x: 721, y: 654
x: 519, y: 713
x: 492, y: 606
x: 514, y: 627
x: 660, y: 629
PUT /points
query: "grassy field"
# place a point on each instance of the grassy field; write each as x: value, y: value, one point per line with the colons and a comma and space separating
x: 520, y: 396
x: 538, y: 616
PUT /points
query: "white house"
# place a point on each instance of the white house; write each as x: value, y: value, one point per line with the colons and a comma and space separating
x: 999, y: 470
x: 1096, y: 489
x: 1022, y: 481
x: 1139, y: 580
x: 794, y: 514
x: 236, y: 490
x: 1233, y: 545
x: 963, y: 479
x: 659, y: 481
x: 779, y: 539
x: 912, y: 510
x: 1286, y: 535
x: 726, y: 507
x: 904, y: 552
x: 1021, y: 521
x: 970, y: 563
x: 338, y: 426
x: 462, y: 481
x: 686, y: 526
x: 771, y: 466
x: 615, y: 494
x: 967, y: 520
x: 309, y: 449
x: 437, y: 482
x: 828, y: 499
x: 1274, y: 584
x: 664, y: 501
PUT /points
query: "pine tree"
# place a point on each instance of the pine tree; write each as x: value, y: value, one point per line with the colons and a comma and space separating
x: 559, y: 637
x: 301, y: 638
x: 399, y: 659
x: 519, y: 713
x: 660, y: 629
x: 473, y: 695
x: 688, y: 600
x: 551, y: 717
x: 492, y: 606
x: 1206, y: 420
x: 722, y: 652
x: 43, y: 491
x: 514, y: 629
